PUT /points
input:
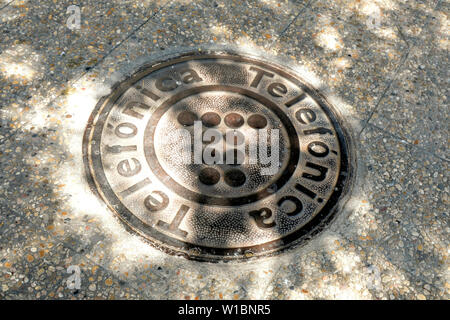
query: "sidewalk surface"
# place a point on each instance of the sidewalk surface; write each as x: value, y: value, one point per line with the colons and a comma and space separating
x: 387, y: 60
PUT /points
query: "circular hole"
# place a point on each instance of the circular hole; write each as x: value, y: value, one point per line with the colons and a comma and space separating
x: 209, y: 176
x: 234, y: 120
x: 257, y: 121
x: 210, y: 119
x: 187, y: 118
x: 235, y: 178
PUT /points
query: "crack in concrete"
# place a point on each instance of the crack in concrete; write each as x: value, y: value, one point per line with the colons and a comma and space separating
x: 6, y: 5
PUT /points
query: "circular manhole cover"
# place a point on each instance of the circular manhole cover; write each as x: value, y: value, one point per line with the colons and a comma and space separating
x: 218, y: 156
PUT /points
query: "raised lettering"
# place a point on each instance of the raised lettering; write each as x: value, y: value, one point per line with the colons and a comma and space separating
x: 295, y: 100
x: 319, y: 130
x: 322, y: 172
x: 154, y: 204
x: 298, y: 205
x: 119, y: 149
x: 148, y: 93
x: 166, y: 84
x: 173, y: 226
x: 125, y: 169
x: 261, y: 216
x: 305, y: 116
x: 277, y: 89
x: 305, y: 190
x: 135, y: 187
x: 314, y: 149
x: 189, y: 76
x: 126, y: 130
x: 133, y: 113
x: 259, y: 75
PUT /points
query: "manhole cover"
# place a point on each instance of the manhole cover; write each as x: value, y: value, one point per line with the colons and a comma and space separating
x: 217, y: 156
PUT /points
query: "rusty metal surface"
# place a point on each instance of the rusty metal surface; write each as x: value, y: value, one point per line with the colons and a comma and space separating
x: 231, y: 208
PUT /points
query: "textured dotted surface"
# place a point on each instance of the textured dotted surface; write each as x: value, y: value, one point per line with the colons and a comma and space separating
x: 196, y: 133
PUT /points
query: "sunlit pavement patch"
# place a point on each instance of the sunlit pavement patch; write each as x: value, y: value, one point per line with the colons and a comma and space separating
x: 218, y: 156
x: 389, y: 242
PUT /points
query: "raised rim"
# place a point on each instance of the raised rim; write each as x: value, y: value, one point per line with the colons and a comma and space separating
x: 172, y: 246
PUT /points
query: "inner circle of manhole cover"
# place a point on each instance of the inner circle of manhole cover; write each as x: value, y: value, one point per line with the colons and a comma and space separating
x: 218, y: 156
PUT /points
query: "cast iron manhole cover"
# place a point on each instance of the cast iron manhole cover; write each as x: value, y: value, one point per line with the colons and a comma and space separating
x: 218, y: 156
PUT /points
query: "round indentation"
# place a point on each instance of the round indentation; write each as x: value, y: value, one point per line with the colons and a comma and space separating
x: 234, y: 120
x: 210, y: 119
x: 187, y: 118
x: 209, y: 176
x: 235, y: 178
x: 257, y: 121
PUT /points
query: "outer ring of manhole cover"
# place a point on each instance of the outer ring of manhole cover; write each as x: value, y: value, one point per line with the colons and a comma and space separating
x: 218, y: 156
